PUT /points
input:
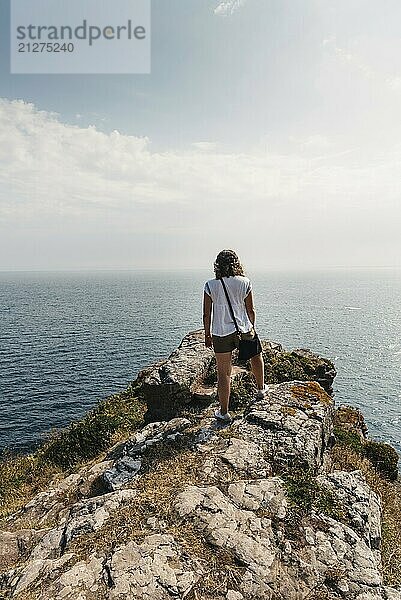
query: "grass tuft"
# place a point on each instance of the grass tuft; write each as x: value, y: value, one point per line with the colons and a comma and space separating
x: 306, y: 495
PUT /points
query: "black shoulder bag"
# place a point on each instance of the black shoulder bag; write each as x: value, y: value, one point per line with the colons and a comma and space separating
x: 246, y: 348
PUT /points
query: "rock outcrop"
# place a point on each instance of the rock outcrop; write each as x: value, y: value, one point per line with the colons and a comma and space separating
x: 188, y: 375
x: 169, y: 385
x: 191, y: 508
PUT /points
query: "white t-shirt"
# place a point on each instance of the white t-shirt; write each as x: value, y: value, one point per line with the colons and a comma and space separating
x: 238, y: 287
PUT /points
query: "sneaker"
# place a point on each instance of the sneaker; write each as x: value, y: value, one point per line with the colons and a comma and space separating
x: 262, y: 393
x: 218, y: 415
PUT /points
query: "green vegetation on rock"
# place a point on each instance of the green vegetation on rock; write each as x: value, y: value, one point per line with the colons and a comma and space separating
x: 112, y: 419
x: 350, y: 430
x: 281, y: 366
x: 383, y: 457
x: 349, y: 439
x: 290, y: 366
x: 242, y: 391
x: 307, y: 495
x: 85, y: 439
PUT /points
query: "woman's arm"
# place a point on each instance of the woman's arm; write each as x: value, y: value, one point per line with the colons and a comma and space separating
x: 207, y: 312
x: 250, y: 309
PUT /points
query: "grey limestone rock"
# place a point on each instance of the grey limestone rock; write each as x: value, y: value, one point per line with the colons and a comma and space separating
x: 294, y: 425
x: 90, y: 514
x: 128, y: 455
x: 19, y: 580
x: 236, y: 502
x: 245, y: 455
x: 392, y: 593
x: 169, y: 385
x: 246, y: 521
x: 154, y: 569
x: 81, y: 581
x: 47, y: 555
x: 14, y: 545
x: 361, y: 503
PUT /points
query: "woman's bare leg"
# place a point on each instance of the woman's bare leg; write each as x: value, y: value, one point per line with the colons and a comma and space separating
x: 258, y: 369
x: 223, y: 360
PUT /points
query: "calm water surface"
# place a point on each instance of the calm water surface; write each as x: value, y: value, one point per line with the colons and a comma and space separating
x: 69, y: 339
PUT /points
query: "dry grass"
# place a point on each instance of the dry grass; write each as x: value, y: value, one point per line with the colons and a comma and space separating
x: 21, y: 478
x: 168, y: 468
x: 221, y: 570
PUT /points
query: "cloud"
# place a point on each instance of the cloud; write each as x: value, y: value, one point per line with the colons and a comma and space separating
x: 394, y: 82
x: 377, y: 71
x: 60, y: 177
x: 329, y: 40
x: 315, y: 142
x: 228, y: 7
x: 53, y: 169
x: 49, y: 167
x: 207, y: 146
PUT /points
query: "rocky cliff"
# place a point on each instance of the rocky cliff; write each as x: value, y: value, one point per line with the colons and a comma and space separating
x: 186, y: 507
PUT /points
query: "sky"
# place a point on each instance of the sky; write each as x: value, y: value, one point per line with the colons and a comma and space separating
x: 271, y: 127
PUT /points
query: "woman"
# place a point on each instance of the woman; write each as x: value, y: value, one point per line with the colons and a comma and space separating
x: 222, y: 335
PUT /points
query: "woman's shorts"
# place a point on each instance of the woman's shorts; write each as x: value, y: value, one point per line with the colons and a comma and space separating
x: 227, y: 343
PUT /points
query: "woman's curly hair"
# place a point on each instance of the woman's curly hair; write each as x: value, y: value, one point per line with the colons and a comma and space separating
x: 227, y: 264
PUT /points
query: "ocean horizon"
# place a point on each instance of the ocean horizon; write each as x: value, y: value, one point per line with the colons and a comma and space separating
x: 70, y: 338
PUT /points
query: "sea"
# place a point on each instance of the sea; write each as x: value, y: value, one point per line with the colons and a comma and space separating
x: 69, y: 339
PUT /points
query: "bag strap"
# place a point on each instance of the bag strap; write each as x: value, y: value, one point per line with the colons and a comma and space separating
x: 231, y: 308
